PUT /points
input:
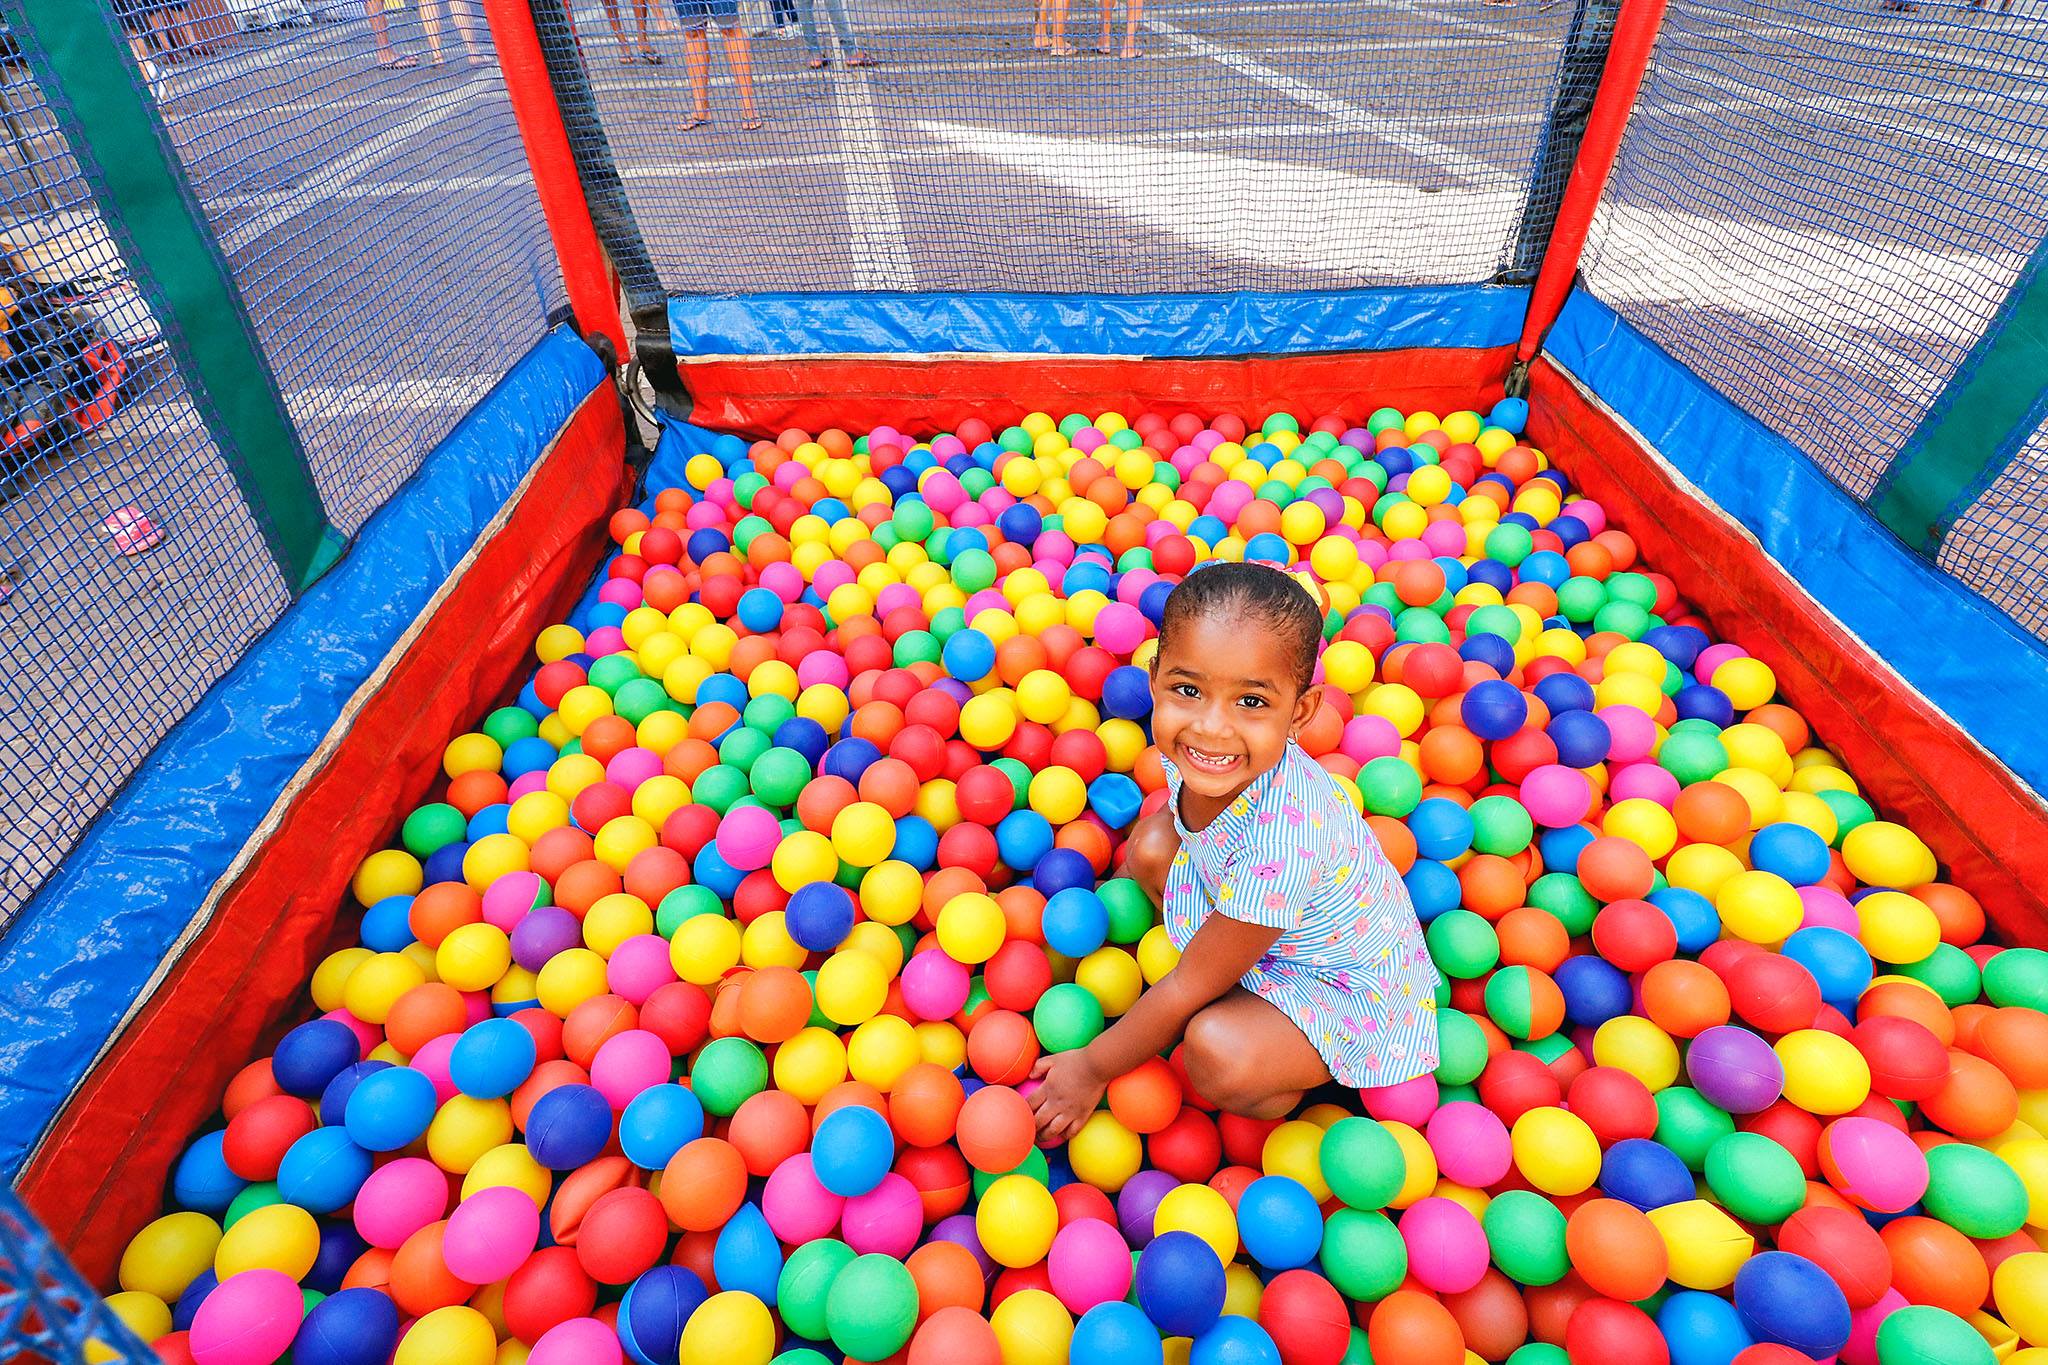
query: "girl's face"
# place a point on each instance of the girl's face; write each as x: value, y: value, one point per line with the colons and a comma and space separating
x: 1224, y: 705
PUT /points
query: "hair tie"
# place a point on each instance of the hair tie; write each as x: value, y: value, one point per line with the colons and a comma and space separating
x: 1308, y: 584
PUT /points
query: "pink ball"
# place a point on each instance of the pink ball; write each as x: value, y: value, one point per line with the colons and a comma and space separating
x: 249, y: 1319
x: 627, y: 1064
x: 399, y: 1199
x: 1090, y: 1263
x: 1824, y: 907
x: 798, y: 1208
x: 1863, y: 1324
x: 1591, y: 513
x: 747, y: 836
x: 513, y: 896
x: 896, y: 596
x: 1407, y: 550
x: 1372, y: 554
x: 1712, y: 657
x: 620, y: 592
x: 1634, y: 733
x: 1088, y: 440
x: 942, y: 492
x: 886, y: 1219
x: 1120, y: 628
x: 822, y: 666
x: 525, y: 784
x: 934, y: 985
x: 702, y: 515
x: 1644, y: 782
x: 490, y: 1235
x: 1369, y: 737
x: 639, y: 967
x: 579, y: 1341
x: 1470, y: 1142
x: 783, y: 579
x: 971, y: 514
x: 1445, y: 537
x: 1446, y: 1248
x: 630, y: 767
x: 476, y: 1007
x: 988, y: 599
x: 1411, y: 1102
x: 1057, y: 545
x: 431, y: 1061
x: 368, y: 1035
x: 833, y: 573
x: 605, y: 639
x: 1556, y: 796
x: 1874, y: 1164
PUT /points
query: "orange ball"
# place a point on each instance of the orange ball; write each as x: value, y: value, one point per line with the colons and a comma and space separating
x: 1001, y: 1048
x: 585, y: 883
x: 924, y: 1105
x: 774, y: 1004
x: 2015, y: 1040
x: 1411, y: 1327
x: 420, y: 1278
x: 947, y: 1276
x: 1417, y: 582
x: 703, y: 1185
x: 594, y: 1023
x: 1146, y: 1098
x: 1960, y: 915
x: 996, y: 1129
x: 1976, y: 1101
x: 423, y: 1014
x: 1909, y: 1000
x: 1491, y: 1315
x: 549, y: 1075
x: 1616, y: 1249
x: 1395, y: 841
x: 1530, y: 937
x: 1452, y: 754
x: 769, y: 1128
x: 1934, y: 1264
x: 1684, y: 998
x: 1711, y: 813
x: 1492, y: 886
x: 1614, y: 869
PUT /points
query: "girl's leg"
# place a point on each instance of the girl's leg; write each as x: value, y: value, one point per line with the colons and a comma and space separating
x: 1149, y: 853
x: 1137, y: 8
x: 1245, y: 1056
x: 741, y: 59
x: 611, y: 15
x: 697, y: 59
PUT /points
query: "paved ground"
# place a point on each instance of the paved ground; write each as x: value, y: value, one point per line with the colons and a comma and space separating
x: 1818, y: 169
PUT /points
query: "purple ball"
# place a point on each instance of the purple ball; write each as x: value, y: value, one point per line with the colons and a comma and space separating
x: 959, y: 1228
x: 542, y: 934
x: 1735, y: 1070
x: 1138, y: 1201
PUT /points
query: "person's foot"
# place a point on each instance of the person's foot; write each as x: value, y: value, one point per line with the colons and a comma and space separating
x: 786, y: 33
x: 860, y: 59
x: 1062, y: 49
x: 628, y: 57
x: 1040, y: 41
x: 816, y: 63
x: 650, y: 56
x: 696, y: 121
x: 751, y: 124
x: 398, y: 61
x: 1105, y: 49
x: 1131, y: 50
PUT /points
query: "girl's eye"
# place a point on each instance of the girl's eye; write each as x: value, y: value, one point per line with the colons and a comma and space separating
x: 1187, y: 690
x: 1252, y: 702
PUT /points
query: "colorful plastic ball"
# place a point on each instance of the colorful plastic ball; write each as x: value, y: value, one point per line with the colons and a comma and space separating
x: 871, y: 1308
x: 1278, y: 1219
x: 1555, y: 1151
x: 1790, y: 1300
x: 1705, y: 1247
x: 1842, y: 1244
x: 1824, y: 1073
x: 1644, y: 1173
x: 352, y: 1327
x: 1974, y: 1191
x: 1115, y: 1334
x: 313, y: 1054
x: 1735, y: 1069
x: 1754, y: 1178
x: 1089, y: 1264
x: 1234, y: 1341
x: 248, y: 1319
x: 1032, y: 1328
x: 852, y: 1150
x: 1180, y: 1284
x: 654, y: 1311
x: 1919, y: 1334
x: 391, y: 1108
x: 727, y: 1073
x: 490, y: 1234
x: 1016, y: 1221
x: 1410, y: 1326
x: 1447, y: 1252
x: 729, y: 1328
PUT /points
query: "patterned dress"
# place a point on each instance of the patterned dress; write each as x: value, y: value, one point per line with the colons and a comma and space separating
x: 1350, y: 967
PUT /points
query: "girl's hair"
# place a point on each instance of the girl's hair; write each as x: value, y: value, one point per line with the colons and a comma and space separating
x: 1257, y: 592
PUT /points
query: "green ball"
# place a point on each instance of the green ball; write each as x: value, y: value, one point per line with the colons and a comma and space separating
x: 1126, y: 439
x: 977, y: 481
x: 2017, y: 976
x: 1509, y: 544
x: 1564, y: 896
x: 779, y: 776
x: 260, y: 1195
x: 1580, y: 599
x: 806, y: 1279
x: 1690, y: 1125
x: 802, y: 1355
x: 728, y: 1073
x: 1390, y: 786
x: 1383, y: 596
x: 1545, y: 1050
x: 612, y: 672
x: 746, y: 487
x: 974, y: 570
x: 740, y: 749
x: 685, y: 902
x: 1529, y: 1353
x: 1754, y: 1178
x: 1625, y: 619
x: 912, y: 520
x: 948, y: 622
x: 1020, y: 779
x: 1632, y: 588
x: 1456, y: 1094
x: 1501, y: 825
x: 639, y: 698
x: 433, y: 826
x: 1920, y: 1335
x: 1511, y: 1001
x: 1384, y: 419
x: 1421, y: 626
x: 1362, y: 1162
x: 508, y: 723
x: 1130, y: 909
x: 768, y: 713
x: 1525, y: 1233
x: 1850, y: 811
x: 1461, y: 1050
x: 1066, y: 1017
x: 1463, y: 944
x: 916, y: 647
x: 1363, y: 1254
x: 1075, y: 422
x: 1692, y: 756
x: 871, y: 1308
x: 1949, y: 972
x: 1034, y: 1165
x: 1974, y: 1191
x: 1280, y: 421
x: 750, y: 529
x: 1494, y: 620
x: 1015, y: 439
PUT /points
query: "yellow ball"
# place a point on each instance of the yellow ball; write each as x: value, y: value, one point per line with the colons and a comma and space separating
x: 1702, y: 868
x: 146, y: 1315
x: 1761, y: 907
x: 1429, y: 485
x: 1348, y: 664
x: 1032, y: 1328
x: 703, y: 949
x: 863, y: 833
x: 802, y: 858
x: 280, y: 1237
x: 1156, y: 954
x: 388, y: 872
x: 582, y: 705
x: 1105, y: 1153
x: 2020, y: 1289
x: 852, y: 987
x: 988, y: 721
x: 558, y: 642
x: 571, y: 773
x: 1294, y: 1150
x: 1643, y: 823
x: 891, y: 892
x: 493, y: 856
x: 330, y: 978
x: 471, y: 753
x: 1058, y: 793
x: 168, y: 1254
x: 1016, y: 1221
x: 1881, y: 853
x: 474, y: 956
x: 512, y: 1166
x: 1748, y: 683
x: 1042, y: 695
x: 457, y: 1335
x: 729, y: 1328
x: 464, y: 1128
x: 971, y: 928
x: 1203, y: 1211
x: 1113, y: 977
x: 1824, y: 1073
x: 766, y: 943
x: 623, y: 838
x: 810, y: 1064
x: 881, y: 1050
x: 1397, y: 704
x: 534, y: 814
x: 1302, y: 523
x: 1418, y: 1160
x: 1637, y: 1046
x: 1333, y: 558
x: 1555, y: 1151
x: 571, y: 977
x: 1706, y: 1247
x: 1897, y: 928
x: 374, y: 987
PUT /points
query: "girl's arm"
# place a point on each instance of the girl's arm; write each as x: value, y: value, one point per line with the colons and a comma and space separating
x: 1071, y: 1083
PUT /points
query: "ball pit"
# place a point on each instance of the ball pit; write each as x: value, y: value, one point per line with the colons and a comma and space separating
x: 694, y: 1016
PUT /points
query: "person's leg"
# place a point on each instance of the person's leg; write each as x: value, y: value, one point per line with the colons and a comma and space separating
x: 640, y: 15
x: 1246, y: 1057
x: 1038, y: 17
x: 740, y: 58
x: 1108, y: 18
x: 469, y: 28
x: 849, y: 45
x: 611, y: 16
x: 1060, y: 47
x: 1149, y: 852
x: 1137, y: 10
x: 430, y: 20
x: 697, y: 57
x: 380, y: 31
x: 807, y: 15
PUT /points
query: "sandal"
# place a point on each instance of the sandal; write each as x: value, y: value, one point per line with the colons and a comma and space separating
x: 752, y: 125
x: 860, y: 59
x: 398, y: 61
x: 1062, y: 50
x: 650, y: 56
x: 816, y: 63
x: 696, y: 121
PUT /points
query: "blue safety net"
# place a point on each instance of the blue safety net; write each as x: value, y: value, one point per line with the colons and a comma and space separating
x: 1997, y: 545
x: 1821, y: 207
x: 1183, y: 146
x: 47, y: 1312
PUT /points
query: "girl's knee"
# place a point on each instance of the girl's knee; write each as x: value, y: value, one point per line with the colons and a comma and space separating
x: 1217, y: 1067
x: 1152, y: 846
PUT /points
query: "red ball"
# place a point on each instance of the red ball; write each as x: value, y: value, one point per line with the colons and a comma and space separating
x: 1606, y: 1329
x: 1086, y: 670
x: 940, y: 1176
x: 1188, y: 1149
x: 1770, y: 1353
x: 922, y: 748
x: 1513, y: 1083
x: 678, y: 1013
x: 549, y: 1289
x: 996, y: 1128
x: 967, y: 846
x: 1080, y: 1200
x: 1306, y: 1317
x: 954, y: 1336
x: 1001, y: 1047
x: 1792, y: 1128
x: 1613, y: 1103
x: 1845, y: 1246
x: 1634, y: 935
x: 1907, y: 1062
x: 984, y: 795
x: 1082, y: 751
x: 936, y: 711
x: 623, y: 1234
x: 1017, y: 975
x: 1773, y: 993
x: 1431, y: 670
x: 688, y: 829
x: 1244, y: 1139
x: 258, y: 1136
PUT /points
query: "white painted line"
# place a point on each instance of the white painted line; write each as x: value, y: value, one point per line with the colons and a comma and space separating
x: 877, y: 236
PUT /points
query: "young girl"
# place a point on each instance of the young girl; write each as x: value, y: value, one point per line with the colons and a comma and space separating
x: 1301, y: 959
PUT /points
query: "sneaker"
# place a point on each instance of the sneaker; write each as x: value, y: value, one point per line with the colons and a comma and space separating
x: 786, y: 33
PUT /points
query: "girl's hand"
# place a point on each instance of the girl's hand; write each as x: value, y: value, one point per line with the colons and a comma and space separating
x: 1068, y: 1091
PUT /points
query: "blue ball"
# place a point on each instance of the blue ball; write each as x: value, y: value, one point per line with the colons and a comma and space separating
x: 654, y: 1311
x: 968, y: 655
x: 1697, y: 701
x: 1115, y: 1333
x: 1152, y: 601
x: 493, y: 819
x: 659, y: 1122
x: 710, y: 870
x: 1060, y: 869
x: 1022, y: 838
x: 1792, y: 851
x: 334, y: 1099
x: 1563, y: 692
x: 819, y: 916
x: 1691, y: 914
x: 387, y: 925
x: 1790, y: 1300
x: 1208, y: 529
x: 851, y: 1151
x: 1115, y: 797
x: 323, y: 1170
x: 1280, y: 1223
x: 569, y: 1126
x: 849, y: 758
x: 1442, y: 828
x: 1075, y: 921
x: 1493, y: 574
x: 1020, y: 523
x: 444, y: 864
x: 1646, y: 1174
x: 704, y: 543
x: 340, y: 1247
x: 1838, y: 962
x: 203, y: 1182
x: 746, y: 1256
x: 391, y: 1108
x: 1432, y: 887
x: 1127, y: 692
x: 528, y: 754
x: 1494, y: 709
x: 195, y: 1294
x: 1510, y: 415
x: 1561, y: 847
x: 1234, y: 1341
x: 917, y: 842
x: 491, y: 1058
x: 1701, y: 1329
x: 1180, y: 1284
x: 1594, y: 990
x: 1582, y: 738
x: 1547, y: 567
x: 728, y: 689
x: 805, y: 736
x: 1268, y: 547
x: 1496, y: 653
